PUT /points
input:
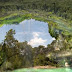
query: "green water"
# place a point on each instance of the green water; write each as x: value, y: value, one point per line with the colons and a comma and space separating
x: 44, y: 70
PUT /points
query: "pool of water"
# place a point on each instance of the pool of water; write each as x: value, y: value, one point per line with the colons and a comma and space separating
x: 34, y: 32
x: 45, y: 70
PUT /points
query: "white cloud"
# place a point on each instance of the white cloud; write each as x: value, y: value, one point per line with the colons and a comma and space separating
x: 36, y: 41
x: 36, y: 34
x: 53, y: 39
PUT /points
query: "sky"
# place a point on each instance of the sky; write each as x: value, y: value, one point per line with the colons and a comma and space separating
x: 34, y: 32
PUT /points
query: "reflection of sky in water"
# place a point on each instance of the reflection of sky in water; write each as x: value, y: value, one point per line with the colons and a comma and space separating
x: 35, y: 32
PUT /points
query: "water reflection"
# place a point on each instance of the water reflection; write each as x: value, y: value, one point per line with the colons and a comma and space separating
x: 35, y: 32
x: 45, y: 70
x: 68, y: 70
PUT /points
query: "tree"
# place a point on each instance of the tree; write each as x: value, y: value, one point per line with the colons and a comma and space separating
x: 26, y: 54
x: 16, y: 51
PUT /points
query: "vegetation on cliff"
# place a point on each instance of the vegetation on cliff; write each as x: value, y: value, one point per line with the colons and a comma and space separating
x: 58, y: 15
x: 61, y: 8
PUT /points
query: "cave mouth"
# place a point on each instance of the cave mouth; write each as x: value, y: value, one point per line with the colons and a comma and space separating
x: 34, y: 32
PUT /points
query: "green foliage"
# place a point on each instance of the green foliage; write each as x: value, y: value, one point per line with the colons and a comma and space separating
x: 14, y: 19
x: 58, y: 18
x: 14, y: 53
x: 40, y: 58
x: 61, y: 8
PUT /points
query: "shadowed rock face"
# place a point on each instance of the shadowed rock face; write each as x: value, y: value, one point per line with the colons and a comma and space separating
x: 61, y: 54
x: 64, y: 58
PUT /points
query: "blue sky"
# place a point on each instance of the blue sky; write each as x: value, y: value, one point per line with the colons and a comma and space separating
x: 35, y: 32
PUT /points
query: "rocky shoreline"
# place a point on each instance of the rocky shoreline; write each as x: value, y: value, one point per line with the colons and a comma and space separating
x: 44, y: 67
